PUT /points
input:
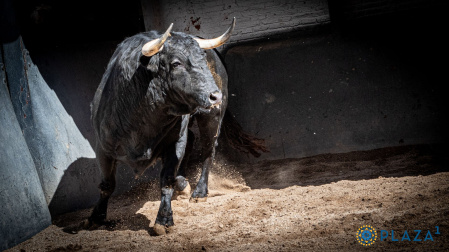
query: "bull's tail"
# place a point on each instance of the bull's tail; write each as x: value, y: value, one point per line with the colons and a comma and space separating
x: 239, y: 139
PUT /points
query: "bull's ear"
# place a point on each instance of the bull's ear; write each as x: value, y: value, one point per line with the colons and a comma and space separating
x: 153, y: 64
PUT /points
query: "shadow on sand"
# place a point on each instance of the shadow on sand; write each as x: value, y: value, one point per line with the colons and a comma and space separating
x: 413, y: 160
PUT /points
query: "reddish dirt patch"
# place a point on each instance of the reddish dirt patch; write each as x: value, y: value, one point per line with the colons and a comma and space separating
x: 303, y: 204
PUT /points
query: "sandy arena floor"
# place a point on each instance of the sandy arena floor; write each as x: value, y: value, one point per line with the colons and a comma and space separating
x: 309, y: 204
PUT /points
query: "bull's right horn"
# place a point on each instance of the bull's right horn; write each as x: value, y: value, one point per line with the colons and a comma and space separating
x: 216, y: 42
x: 155, y: 45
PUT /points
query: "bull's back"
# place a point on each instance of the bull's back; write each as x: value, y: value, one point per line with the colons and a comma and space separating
x: 108, y: 109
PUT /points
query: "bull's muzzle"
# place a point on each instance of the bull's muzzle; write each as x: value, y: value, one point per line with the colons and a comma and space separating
x: 215, y: 98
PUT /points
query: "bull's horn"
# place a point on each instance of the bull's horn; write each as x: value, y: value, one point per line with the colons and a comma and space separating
x: 216, y: 42
x: 155, y: 45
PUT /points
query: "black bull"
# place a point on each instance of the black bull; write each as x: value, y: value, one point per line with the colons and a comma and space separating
x: 144, y: 106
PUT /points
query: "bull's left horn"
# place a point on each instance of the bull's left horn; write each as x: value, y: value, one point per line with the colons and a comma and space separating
x: 216, y: 42
x: 155, y: 45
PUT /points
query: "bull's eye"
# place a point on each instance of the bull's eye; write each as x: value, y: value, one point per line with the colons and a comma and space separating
x: 175, y: 64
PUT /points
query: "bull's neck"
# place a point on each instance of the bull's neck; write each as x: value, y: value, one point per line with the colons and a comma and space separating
x: 155, y: 106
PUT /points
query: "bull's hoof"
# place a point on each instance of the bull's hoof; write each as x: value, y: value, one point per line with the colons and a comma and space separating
x: 89, y: 225
x: 84, y: 225
x: 184, y: 194
x: 159, y: 229
x: 198, y: 200
x: 74, y: 228
x: 199, y: 194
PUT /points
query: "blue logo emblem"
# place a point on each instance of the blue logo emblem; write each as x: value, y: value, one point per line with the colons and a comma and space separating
x: 366, y: 235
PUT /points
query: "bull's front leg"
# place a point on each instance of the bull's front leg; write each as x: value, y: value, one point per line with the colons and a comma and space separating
x: 172, y: 159
x: 209, y: 127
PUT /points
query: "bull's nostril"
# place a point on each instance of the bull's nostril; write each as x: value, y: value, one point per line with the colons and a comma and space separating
x: 215, y: 97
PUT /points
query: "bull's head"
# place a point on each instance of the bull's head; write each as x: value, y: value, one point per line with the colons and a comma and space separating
x: 178, y: 64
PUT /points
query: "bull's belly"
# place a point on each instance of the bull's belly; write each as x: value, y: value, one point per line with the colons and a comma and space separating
x: 138, y: 165
x: 140, y: 149
x: 138, y: 159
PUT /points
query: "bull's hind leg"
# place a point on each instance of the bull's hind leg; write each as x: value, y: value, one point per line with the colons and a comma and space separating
x: 171, y: 159
x: 107, y: 186
x: 209, y: 127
